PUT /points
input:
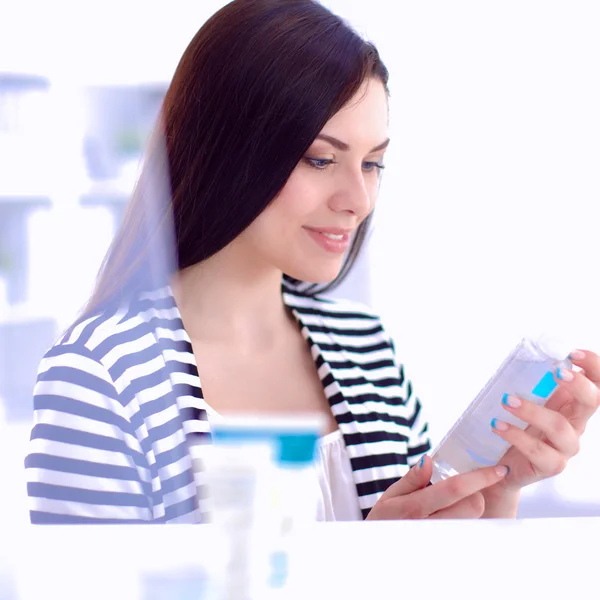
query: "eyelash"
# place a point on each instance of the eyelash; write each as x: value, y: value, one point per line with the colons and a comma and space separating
x: 325, y: 162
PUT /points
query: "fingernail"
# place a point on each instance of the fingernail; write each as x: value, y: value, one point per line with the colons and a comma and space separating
x: 577, y: 355
x: 499, y: 425
x: 421, y: 462
x: 511, y: 401
x: 502, y: 470
x: 564, y: 374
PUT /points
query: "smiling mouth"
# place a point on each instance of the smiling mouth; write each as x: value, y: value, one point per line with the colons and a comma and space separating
x: 333, y: 241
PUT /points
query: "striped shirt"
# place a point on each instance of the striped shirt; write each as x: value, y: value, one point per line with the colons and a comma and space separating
x: 118, y: 398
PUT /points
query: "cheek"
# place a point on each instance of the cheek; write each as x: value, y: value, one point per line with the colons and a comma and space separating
x: 300, y: 198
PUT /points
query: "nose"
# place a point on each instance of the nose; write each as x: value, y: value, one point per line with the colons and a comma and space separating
x: 353, y: 195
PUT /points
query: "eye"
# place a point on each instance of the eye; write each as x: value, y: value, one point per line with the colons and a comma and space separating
x: 371, y: 166
x: 319, y: 163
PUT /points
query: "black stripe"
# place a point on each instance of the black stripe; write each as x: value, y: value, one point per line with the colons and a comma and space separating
x: 38, y: 517
x: 81, y: 378
x: 418, y: 450
x: 372, y: 416
x: 377, y: 460
x: 81, y: 409
x: 134, y: 359
x: 144, y: 304
x: 70, y: 494
x: 170, y: 457
x: 307, y: 310
x: 94, y: 441
x: 353, y: 349
x: 185, y: 389
x: 352, y: 439
x: 82, y: 467
x: 368, y: 366
x: 94, y: 323
x: 345, y: 332
x: 177, y: 481
x: 374, y: 487
x: 178, y: 345
x: 177, y: 366
x: 379, y: 383
x: 181, y: 508
x: 146, y: 382
x: 369, y: 397
x: 121, y: 337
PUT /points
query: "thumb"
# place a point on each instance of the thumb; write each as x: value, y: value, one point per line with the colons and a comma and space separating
x: 416, y: 479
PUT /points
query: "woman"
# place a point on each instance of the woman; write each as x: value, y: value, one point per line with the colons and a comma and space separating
x: 275, y: 128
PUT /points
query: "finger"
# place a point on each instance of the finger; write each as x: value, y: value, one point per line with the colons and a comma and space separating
x: 417, y: 478
x: 589, y: 362
x: 553, y: 425
x: 585, y: 393
x: 471, y: 507
x: 450, y: 491
x: 545, y: 460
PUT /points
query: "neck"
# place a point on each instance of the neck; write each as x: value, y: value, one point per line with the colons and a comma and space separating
x: 230, y: 299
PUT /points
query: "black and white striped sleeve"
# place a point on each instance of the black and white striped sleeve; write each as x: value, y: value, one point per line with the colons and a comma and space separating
x: 418, y: 440
x: 84, y: 464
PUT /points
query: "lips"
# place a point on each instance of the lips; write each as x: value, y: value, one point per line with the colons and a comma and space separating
x: 331, y: 239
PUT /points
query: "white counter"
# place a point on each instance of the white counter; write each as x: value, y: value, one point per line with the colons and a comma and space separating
x: 411, y: 559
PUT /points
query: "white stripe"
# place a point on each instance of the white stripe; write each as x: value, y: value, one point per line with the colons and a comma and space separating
x: 360, y: 358
x: 343, y: 324
x: 177, y: 335
x: 185, y: 378
x: 84, y: 482
x: 369, y: 500
x: 180, y: 494
x: 372, y: 426
x: 72, y: 391
x: 79, y: 509
x: 110, y: 327
x: 103, y: 457
x: 386, y: 393
x: 178, y: 356
x: 327, y: 305
x: 126, y: 348
x: 368, y: 406
x: 172, y: 470
x: 377, y: 473
x: 139, y: 370
x: 85, y: 425
x: 157, y: 419
x: 374, y: 375
x: 375, y: 448
x: 349, y: 343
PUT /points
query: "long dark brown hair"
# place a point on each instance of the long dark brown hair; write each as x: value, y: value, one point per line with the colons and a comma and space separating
x: 251, y: 92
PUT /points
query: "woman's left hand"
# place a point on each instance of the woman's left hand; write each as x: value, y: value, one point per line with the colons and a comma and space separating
x: 552, y: 438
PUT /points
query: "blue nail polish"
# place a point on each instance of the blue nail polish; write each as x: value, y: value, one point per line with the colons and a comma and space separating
x: 422, y: 462
x: 505, y: 399
x: 558, y: 373
x: 493, y: 423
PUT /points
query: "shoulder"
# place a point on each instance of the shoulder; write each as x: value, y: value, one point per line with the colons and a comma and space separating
x: 337, y: 310
x: 129, y: 326
x: 326, y: 306
x: 347, y: 324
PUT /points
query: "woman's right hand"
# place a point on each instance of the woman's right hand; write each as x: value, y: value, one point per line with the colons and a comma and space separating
x: 457, y: 497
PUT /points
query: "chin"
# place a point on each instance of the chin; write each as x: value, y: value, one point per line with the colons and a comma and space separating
x: 315, y: 273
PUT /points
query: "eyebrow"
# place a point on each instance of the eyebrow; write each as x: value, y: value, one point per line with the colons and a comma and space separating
x: 345, y: 147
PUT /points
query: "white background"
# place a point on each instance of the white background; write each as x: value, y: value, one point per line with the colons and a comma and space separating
x: 487, y: 225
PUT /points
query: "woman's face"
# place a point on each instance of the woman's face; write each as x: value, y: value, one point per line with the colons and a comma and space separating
x: 308, y: 227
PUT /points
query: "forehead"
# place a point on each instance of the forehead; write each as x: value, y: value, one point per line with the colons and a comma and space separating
x: 364, y: 118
